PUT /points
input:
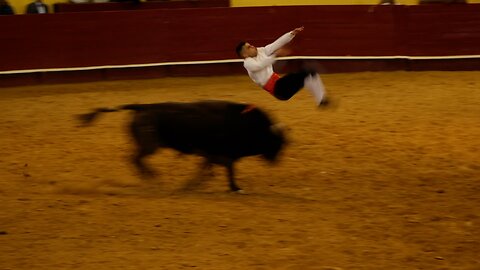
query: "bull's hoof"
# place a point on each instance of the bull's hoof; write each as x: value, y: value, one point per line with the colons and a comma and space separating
x: 148, y: 174
x: 240, y: 191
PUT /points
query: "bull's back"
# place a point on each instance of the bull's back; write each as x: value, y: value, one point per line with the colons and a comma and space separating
x: 209, y: 127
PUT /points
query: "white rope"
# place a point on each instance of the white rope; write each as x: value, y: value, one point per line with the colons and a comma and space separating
x: 240, y: 60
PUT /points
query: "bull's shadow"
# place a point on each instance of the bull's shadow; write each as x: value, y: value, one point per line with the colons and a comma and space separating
x: 222, y: 132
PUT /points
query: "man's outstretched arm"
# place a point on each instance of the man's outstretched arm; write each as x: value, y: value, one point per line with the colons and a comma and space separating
x: 282, y: 41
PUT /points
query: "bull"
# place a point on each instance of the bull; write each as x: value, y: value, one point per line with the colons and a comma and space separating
x: 221, y: 132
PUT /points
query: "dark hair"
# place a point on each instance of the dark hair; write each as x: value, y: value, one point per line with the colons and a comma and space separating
x: 239, y: 48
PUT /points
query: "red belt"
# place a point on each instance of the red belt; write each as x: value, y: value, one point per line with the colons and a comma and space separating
x: 270, y: 85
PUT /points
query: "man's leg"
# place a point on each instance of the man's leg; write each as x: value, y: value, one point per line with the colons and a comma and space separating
x: 287, y: 86
x: 315, y: 85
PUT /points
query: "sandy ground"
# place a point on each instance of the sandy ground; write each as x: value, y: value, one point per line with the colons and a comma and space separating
x: 388, y: 180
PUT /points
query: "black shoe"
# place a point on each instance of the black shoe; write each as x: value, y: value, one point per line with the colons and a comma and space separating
x: 329, y: 103
x: 324, y: 103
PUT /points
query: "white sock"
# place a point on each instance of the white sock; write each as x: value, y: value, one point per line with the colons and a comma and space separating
x: 316, y: 87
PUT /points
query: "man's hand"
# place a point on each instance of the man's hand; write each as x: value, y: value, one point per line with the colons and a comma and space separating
x: 297, y: 30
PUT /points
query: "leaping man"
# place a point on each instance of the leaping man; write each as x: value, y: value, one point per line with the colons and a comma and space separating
x: 259, y: 64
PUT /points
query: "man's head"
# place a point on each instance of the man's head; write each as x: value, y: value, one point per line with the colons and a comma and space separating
x: 245, y: 49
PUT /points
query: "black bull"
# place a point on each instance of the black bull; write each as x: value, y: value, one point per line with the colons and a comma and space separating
x: 220, y: 131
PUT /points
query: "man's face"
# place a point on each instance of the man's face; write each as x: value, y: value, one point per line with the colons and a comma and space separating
x: 249, y: 50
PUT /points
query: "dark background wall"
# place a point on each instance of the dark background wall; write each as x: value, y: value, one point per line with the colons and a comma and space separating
x: 84, y: 39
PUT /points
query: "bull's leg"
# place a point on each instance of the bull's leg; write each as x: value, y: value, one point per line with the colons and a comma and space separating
x: 144, y: 170
x: 231, y: 178
x: 145, y: 138
x: 205, y: 167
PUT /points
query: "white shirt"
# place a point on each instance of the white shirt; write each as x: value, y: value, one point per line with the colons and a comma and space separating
x: 40, y: 8
x: 260, y: 67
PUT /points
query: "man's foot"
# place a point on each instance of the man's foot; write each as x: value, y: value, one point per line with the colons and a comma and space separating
x: 324, y: 103
x: 327, y: 103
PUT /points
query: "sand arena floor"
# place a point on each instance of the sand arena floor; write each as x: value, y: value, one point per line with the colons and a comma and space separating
x: 388, y: 180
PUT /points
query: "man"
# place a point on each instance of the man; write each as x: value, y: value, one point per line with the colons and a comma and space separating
x: 259, y: 64
x: 37, y: 7
x: 5, y: 8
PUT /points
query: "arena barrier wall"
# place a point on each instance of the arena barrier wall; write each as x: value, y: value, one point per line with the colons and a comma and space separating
x: 86, y: 46
x: 116, y: 6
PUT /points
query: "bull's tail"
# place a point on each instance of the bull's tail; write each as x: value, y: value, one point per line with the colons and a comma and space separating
x: 87, y: 118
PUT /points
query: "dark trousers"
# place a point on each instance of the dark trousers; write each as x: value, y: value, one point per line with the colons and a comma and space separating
x: 287, y: 86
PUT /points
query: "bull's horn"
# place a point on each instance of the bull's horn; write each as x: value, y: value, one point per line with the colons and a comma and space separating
x: 278, y: 128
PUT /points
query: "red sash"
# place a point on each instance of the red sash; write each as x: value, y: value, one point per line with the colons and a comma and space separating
x: 270, y: 85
